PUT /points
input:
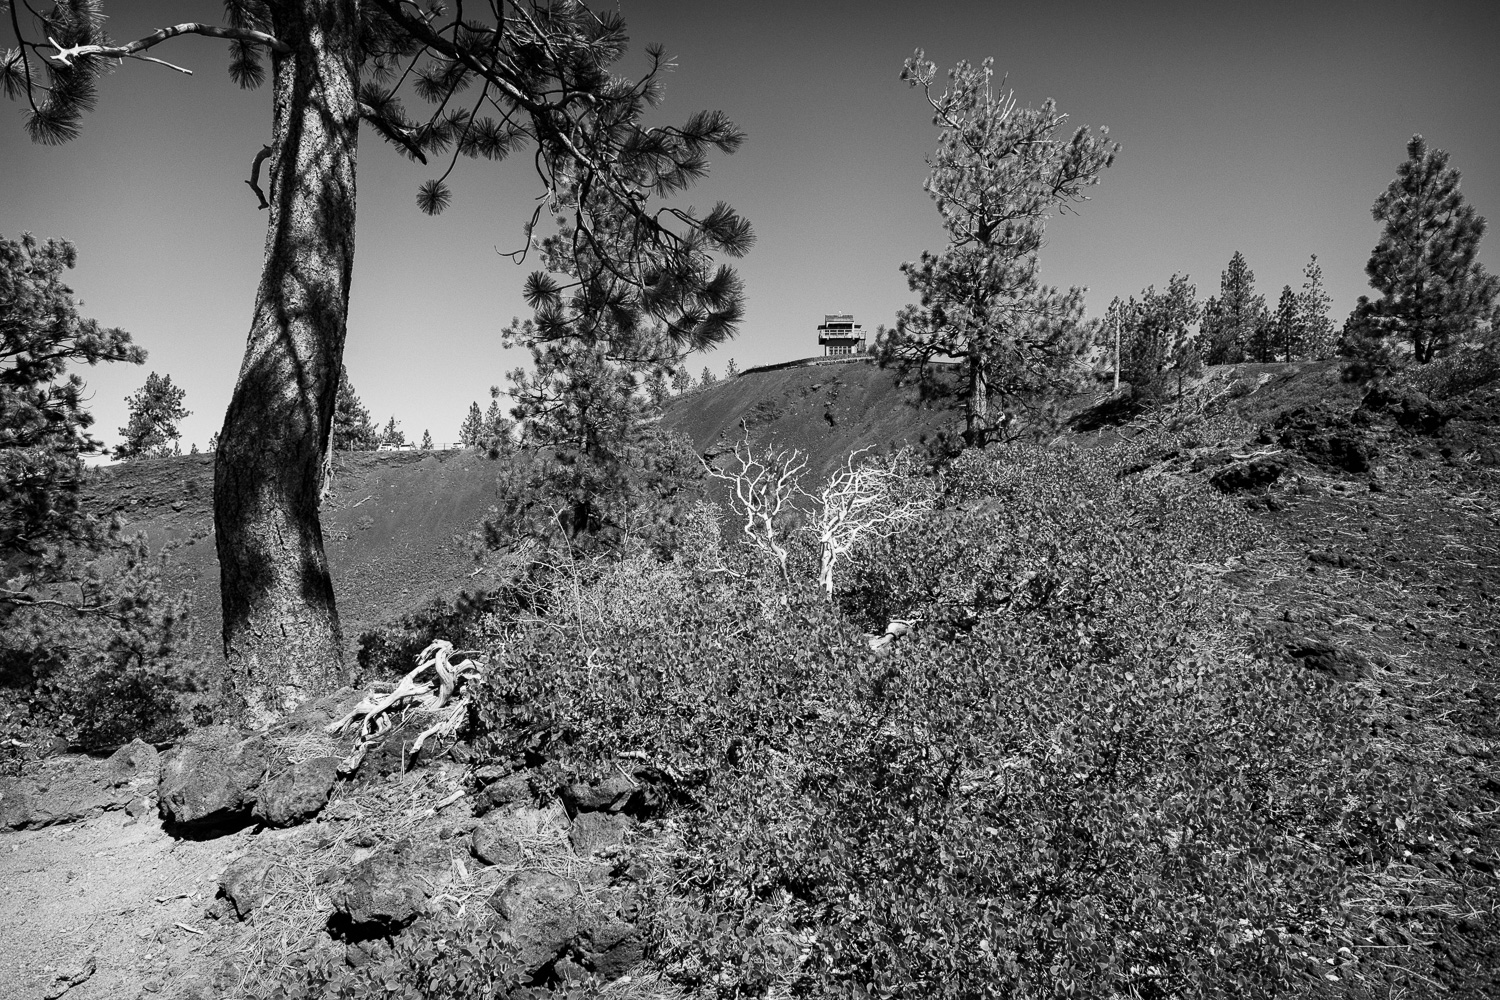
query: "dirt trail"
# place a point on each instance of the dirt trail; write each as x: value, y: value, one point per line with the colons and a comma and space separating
x: 111, y: 893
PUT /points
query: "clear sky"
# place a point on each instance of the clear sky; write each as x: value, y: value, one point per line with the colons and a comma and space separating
x: 1265, y: 127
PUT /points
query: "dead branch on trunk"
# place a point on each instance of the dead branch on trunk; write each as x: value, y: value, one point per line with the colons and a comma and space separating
x: 381, y: 711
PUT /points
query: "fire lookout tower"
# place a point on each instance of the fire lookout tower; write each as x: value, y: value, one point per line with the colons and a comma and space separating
x: 840, y: 335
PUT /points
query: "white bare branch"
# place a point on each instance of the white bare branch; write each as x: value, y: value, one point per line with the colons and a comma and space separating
x: 764, y: 487
x: 131, y: 50
x: 862, y: 500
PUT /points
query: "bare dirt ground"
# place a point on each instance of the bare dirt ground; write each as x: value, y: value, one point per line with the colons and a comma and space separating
x: 113, y: 905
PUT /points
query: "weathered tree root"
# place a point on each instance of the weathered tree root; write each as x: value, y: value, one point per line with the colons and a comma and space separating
x: 378, y: 712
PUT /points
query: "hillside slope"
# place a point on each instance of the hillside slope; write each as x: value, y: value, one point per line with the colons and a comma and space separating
x: 826, y: 410
x: 395, y: 529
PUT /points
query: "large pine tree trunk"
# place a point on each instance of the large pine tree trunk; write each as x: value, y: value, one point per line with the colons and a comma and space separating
x: 977, y: 411
x: 281, y: 630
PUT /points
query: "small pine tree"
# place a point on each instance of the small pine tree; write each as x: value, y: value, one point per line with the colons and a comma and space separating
x: 1433, y: 292
x: 213, y: 442
x: 681, y: 381
x: 1290, y: 336
x: 155, y: 409
x: 1156, y: 336
x: 426, y: 440
x: 392, y: 436
x: 472, y: 430
x: 352, y: 430
x: 1234, y: 316
x: 1317, y: 325
x: 657, y: 389
x: 731, y: 369
x: 496, y: 434
x: 708, y: 378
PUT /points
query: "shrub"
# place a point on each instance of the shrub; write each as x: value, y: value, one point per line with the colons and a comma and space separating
x: 1070, y: 779
x: 88, y: 648
x: 448, y: 959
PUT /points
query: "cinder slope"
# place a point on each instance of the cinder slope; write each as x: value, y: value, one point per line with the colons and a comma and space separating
x: 826, y: 410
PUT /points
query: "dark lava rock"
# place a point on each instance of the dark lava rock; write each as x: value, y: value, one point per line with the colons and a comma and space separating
x: 1411, y: 409
x: 243, y: 885
x: 513, y: 788
x: 1327, y: 438
x: 541, y: 913
x: 610, y: 795
x: 496, y: 843
x: 297, y: 794
x: 212, y: 777
x: 380, y: 895
x: 64, y: 789
x: 498, y: 837
x: 1326, y: 658
x: 1254, y: 474
x: 594, y: 831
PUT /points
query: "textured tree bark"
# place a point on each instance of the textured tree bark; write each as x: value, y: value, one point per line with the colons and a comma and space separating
x: 978, y: 409
x: 281, y: 629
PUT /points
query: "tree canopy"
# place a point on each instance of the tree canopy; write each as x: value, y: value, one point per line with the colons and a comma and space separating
x: 998, y: 172
x: 43, y: 422
x: 1432, y: 291
x: 155, y: 410
x: 493, y: 79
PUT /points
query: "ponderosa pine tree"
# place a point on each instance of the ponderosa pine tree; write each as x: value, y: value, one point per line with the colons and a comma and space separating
x: 530, y: 72
x: 393, y: 436
x: 1317, y: 326
x: 681, y: 381
x: 1433, y: 293
x: 84, y: 624
x: 707, y: 378
x: 43, y: 422
x: 427, y: 440
x: 731, y: 369
x: 494, y: 434
x: 155, y: 409
x: 471, y: 432
x: 657, y: 389
x: 998, y: 171
x: 353, y: 430
x: 1289, y: 336
x: 1156, y: 336
x: 1233, y: 317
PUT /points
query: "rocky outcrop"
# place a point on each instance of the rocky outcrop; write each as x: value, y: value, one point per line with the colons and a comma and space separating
x: 385, y: 892
x: 298, y: 793
x: 1327, y: 438
x: 594, y: 832
x: 212, y: 778
x: 499, y: 838
x: 65, y: 789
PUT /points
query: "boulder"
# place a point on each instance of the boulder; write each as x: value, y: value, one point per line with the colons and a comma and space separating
x: 70, y: 788
x: 504, y: 791
x: 212, y: 777
x: 592, y: 832
x: 1326, y: 437
x: 1254, y: 474
x: 381, y: 894
x: 541, y: 914
x: 498, y: 839
x: 243, y: 885
x: 610, y: 795
x: 298, y: 793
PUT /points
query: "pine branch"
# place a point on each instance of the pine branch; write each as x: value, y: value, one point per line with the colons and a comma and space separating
x: 131, y: 50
